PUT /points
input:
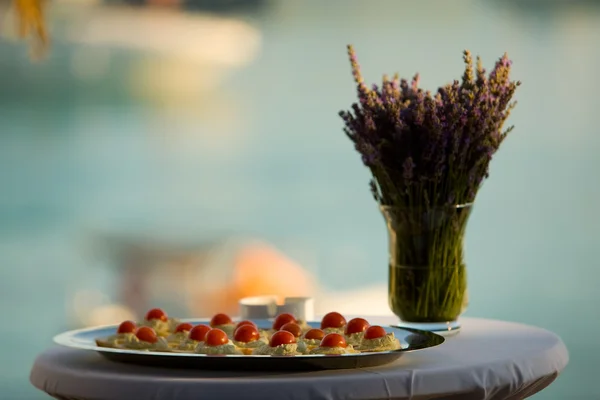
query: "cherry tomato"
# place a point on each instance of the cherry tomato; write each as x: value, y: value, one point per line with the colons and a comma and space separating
x: 333, y: 320
x: 216, y: 337
x: 283, y: 319
x: 292, y: 328
x: 334, y: 340
x: 246, y: 333
x: 156, y: 313
x: 375, y: 332
x: 314, y: 334
x: 282, y: 337
x: 186, y: 326
x: 198, y: 333
x: 245, y: 323
x: 356, y: 325
x: 146, y: 334
x: 126, y: 327
x: 220, y: 319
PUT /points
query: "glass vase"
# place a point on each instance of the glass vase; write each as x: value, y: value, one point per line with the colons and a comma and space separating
x: 427, y: 272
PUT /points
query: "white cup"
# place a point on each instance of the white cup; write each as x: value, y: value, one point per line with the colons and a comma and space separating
x: 303, y: 308
x: 258, y: 307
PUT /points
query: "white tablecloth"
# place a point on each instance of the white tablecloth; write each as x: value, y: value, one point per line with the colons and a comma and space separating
x: 487, y: 360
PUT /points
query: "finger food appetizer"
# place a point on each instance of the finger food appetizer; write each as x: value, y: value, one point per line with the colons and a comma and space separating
x: 377, y: 339
x: 355, y: 331
x: 224, y: 323
x: 282, y: 343
x: 310, y: 340
x: 333, y: 343
x: 124, y: 332
x: 145, y: 338
x: 217, y: 342
x: 333, y: 322
x: 247, y: 338
x: 160, y: 322
x: 181, y: 333
x: 196, y: 337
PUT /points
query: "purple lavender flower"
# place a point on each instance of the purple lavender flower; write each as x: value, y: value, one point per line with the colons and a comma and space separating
x: 408, y: 168
x: 436, y: 147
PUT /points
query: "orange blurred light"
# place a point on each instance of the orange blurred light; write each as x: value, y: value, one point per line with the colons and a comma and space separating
x: 257, y: 270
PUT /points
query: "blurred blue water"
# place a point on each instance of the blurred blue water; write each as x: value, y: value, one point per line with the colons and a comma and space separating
x: 266, y: 154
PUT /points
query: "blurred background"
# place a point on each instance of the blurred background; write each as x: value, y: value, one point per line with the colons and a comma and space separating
x: 186, y: 153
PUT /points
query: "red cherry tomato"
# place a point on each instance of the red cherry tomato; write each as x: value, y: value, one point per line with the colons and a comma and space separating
x: 186, y: 326
x: 198, y: 333
x: 356, y: 325
x: 220, y: 319
x: 216, y: 337
x: 156, y: 313
x: 314, y: 334
x: 334, y: 340
x: 126, y: 327
x: 282, y: 337
x: 283, y: 319
x: 375, y: 332
x: 146, y: 334
x: 246, y: 333
x: 333, y: 320
x: 241, y: 323
x: 292, y: 328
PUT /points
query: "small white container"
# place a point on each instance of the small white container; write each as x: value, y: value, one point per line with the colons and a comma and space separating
x: 303, y: 308
x: 258, y: 307
x: 265, y: 307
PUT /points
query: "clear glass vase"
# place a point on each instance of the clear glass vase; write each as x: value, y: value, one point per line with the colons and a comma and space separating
x: 427, y: 272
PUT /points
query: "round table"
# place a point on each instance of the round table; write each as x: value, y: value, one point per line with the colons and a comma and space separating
x: 488, y: 359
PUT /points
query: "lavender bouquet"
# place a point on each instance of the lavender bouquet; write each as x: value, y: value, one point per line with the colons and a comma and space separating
x: 428, y: 155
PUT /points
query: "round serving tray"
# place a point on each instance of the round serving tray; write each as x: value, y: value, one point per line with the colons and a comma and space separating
x: 411, y: 339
